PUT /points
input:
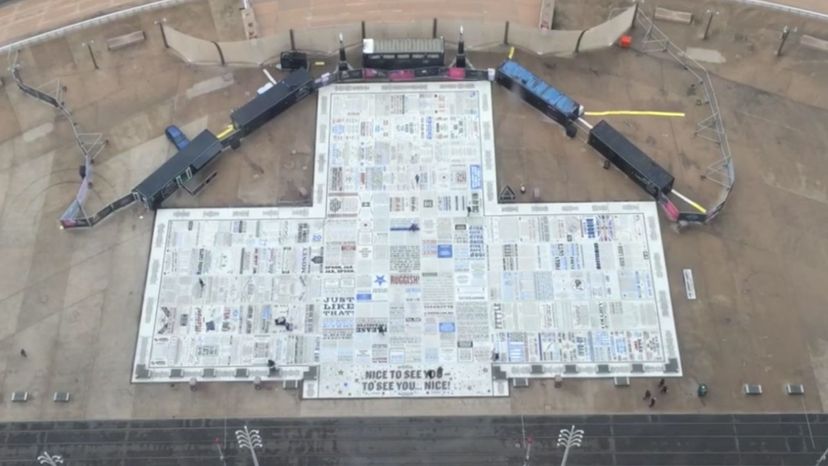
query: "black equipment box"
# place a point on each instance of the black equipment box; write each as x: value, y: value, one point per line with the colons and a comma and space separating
x: 292, y: 60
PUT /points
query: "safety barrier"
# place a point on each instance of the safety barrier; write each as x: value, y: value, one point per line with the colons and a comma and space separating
x: 722, y: 172
x: 90, y: 144
x: 607, y: 33
x: 254, y: 51
x: 785, y: 8
x: 325, y: 41
x: 192, y: 49
x: 75, y: 221
x: 408, y: 29
x: 96, y: 21
x: 543, y: 41
x: 478, y: 35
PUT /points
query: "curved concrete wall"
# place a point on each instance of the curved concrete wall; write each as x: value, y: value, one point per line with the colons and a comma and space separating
x: 478, y: 35
x: 414, y: 29
x: 191, y: 49
x: 606, y: 34
x: 326, y: 40
x: 254, y: 52
x: 543, y: 41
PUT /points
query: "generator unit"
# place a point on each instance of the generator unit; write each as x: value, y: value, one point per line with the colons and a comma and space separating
x: 397, y: 54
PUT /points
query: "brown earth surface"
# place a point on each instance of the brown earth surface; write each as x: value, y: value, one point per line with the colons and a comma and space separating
x: 72, y: 299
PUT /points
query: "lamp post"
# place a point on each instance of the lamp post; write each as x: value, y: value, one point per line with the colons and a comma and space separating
x: 217, y: 443
x: 529, y: 441
x: 568, y: 438
x: 51, y: 460
x: 786, y: 31
x: 823, y: 457
x: 88, y: 46
x: 251, y: 440
x: 710, y: 15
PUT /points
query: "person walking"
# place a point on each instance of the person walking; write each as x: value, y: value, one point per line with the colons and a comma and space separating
x: 652, y: 401
x: 23, y: 353
x: 647, y: 395
x: 664, y: 389
x: 661, y: 383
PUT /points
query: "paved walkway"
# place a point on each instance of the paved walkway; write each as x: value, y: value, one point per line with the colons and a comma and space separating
x: 23, y: 18
x: 820, y: 6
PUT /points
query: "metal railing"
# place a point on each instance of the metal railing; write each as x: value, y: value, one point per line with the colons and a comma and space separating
x: 784, y: 8
x: 711, y: 128
x: 96, y: 21
x: 90, y: 145
x: 478, y: 35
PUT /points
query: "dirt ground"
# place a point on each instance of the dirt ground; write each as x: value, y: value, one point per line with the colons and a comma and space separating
x: 72, y: 299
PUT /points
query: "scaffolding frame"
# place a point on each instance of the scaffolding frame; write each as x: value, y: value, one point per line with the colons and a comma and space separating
x: 711, y: 128
x: 52, y: 94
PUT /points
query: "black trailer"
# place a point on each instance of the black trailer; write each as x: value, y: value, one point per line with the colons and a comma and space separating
x: 164, y: 181
x: 398, y: 54
x: 268, y: 105
x: 625, y: 155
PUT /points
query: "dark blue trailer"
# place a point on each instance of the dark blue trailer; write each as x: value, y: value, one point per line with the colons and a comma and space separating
x: 537, y: 92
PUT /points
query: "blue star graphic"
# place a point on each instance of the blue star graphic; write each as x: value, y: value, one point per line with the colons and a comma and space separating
x: 380, y: 280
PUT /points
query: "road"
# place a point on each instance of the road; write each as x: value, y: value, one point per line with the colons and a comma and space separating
x: 786, y: 439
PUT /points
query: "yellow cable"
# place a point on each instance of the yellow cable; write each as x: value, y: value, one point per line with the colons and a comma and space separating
x: 697, y: 206
x: 511, y: 52
x: 690, y: 201
x: 635, y: 113
x: 226, y: 132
